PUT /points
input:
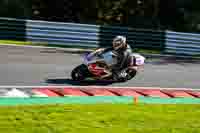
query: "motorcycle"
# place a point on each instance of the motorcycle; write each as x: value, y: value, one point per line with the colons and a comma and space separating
x: 98, y: 67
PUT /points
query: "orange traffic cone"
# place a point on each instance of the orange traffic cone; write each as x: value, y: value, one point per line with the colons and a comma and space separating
x: 135, y: 100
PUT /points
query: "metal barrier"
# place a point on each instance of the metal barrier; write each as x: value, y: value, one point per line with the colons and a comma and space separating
x: 139, y: 38
x: 92, y: 36
x: 182, y: 43
x: 12, y: 29
x: 63, y: 33
x: 71, y: 34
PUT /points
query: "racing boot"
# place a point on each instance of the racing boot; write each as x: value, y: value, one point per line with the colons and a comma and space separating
x: 120, y: 75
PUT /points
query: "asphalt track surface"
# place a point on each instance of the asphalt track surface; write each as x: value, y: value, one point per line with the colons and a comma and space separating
x: 23, y: 66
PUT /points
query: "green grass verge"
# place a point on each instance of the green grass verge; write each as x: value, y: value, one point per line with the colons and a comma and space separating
x: 139, y: 50
x: 2, y: 42
x: 148, y: 51
x: 100, y: 118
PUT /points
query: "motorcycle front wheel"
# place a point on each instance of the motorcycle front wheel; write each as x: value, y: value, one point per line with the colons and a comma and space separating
x: 80, y: 72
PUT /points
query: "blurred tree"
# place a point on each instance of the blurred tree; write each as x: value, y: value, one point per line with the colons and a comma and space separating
x: 177, y: 15
x: 15, y: 8
x: 191, y: 11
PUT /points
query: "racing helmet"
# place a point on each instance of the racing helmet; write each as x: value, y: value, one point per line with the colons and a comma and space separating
x: 119, y: 42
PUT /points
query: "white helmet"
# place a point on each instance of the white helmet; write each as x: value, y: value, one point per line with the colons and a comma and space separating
x: 119, y: 42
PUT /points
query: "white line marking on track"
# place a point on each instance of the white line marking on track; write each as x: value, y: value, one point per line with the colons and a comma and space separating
x: 103, y: 87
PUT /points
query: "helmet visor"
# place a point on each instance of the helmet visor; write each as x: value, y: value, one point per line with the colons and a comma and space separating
x: 117, y: 44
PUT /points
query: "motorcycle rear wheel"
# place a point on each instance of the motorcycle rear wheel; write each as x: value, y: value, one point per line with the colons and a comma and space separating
x: 131, y: 74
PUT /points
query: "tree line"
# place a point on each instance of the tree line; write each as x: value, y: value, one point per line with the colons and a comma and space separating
x: 176, y: 15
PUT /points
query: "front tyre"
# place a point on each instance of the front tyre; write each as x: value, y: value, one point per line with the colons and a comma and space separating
x: 80, y: 72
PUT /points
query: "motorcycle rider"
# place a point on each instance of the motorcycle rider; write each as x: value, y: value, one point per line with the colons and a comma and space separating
x: 122, y: 52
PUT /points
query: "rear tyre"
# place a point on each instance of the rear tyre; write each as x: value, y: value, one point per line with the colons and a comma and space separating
x: 80, y: 72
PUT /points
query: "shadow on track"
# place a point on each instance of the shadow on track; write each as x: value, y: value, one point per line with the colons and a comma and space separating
x: 81, y: 83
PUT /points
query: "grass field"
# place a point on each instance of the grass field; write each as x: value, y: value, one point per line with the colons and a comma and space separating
x: 101, y: 118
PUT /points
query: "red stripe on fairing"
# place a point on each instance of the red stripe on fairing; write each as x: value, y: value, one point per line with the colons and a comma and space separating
x: 98, y: 71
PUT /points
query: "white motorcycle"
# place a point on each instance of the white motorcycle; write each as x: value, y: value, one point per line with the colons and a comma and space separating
x: 99, y: 67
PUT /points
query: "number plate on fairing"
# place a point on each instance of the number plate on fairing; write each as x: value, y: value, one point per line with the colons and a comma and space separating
x: 139, y: 59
